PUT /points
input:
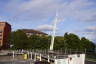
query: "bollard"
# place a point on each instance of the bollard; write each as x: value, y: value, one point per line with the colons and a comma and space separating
x: 40, y: 57
x: 35, y: 57
x: 13, y: 54
x: 48, y: 58
x: 31, y: 56
x: 25, y: 56
x: 28, y: 55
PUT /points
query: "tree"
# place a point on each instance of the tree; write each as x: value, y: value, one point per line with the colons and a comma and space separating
x: 59, y: 43
x: 19, y: 40
x: 86, y: 44
x: 39, y: 42
x: 72, y: 41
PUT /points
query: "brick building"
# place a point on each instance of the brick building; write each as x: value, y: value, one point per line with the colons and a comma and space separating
x: 30, y: 32
x: 5, y: 30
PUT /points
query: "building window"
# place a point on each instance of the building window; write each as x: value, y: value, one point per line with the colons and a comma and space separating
x: 1, y: 31
x: 0, y: 38
x: 1, y: 24
x: 0, y: 43
x: 0, y: 34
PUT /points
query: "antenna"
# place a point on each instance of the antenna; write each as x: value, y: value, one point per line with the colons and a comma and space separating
x: 54, y: 31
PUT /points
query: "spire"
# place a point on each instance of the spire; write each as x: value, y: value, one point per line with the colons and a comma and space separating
x: 54, y: 31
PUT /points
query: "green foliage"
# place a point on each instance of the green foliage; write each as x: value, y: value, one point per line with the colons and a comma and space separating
x: 72, y: 41
x: 19, y: 40
x: 59, y: 43
x: 86, y: 44
x: 38, y: 42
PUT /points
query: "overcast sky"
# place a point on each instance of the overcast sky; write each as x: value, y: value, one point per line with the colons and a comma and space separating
x: 75, y: 16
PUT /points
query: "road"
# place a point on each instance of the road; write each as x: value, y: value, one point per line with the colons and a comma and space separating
x: 90, y: 62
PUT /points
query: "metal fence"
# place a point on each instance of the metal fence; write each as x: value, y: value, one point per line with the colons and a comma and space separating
x: 91, y: 56
x: 30, y: 56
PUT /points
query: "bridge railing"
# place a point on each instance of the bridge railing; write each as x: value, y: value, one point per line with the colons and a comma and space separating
x: 17, y: 55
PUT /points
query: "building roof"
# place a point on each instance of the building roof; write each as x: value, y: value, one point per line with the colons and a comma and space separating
x: 33, y: 31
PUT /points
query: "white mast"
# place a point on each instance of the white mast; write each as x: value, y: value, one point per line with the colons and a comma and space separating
x: 54, y: 31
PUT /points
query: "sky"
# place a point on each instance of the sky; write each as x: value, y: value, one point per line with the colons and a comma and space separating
x: 74, y: 16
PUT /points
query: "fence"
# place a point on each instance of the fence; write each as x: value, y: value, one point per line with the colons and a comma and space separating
x: 91, y: 55
x: 29, y: 56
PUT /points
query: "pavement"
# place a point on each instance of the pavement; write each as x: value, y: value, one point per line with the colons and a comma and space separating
x: 87, y: 62
x: 17, y: 62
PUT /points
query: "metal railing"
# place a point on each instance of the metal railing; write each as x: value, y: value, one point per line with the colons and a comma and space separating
x: 30, y: 56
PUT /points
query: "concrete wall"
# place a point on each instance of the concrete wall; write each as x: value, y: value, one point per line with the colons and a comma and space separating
x: 72, y: 59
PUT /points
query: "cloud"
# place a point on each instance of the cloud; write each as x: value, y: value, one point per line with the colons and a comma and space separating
x: 33, y: 9
x: 88, y: 32
x: 45, y: 28
x: 41, y: 12
x: 81, y: 10
x: 91, y: 29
